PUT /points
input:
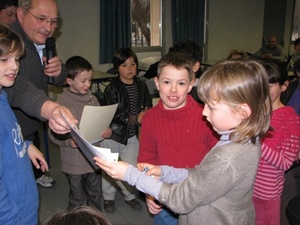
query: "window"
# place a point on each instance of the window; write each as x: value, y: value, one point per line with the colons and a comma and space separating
x: 296, y: 23
x: 146, y: 23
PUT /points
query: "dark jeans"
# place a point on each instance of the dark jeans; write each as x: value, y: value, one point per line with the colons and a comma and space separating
x: 85, y: 187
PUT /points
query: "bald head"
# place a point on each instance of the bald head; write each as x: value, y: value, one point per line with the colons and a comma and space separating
x: 272, y: 41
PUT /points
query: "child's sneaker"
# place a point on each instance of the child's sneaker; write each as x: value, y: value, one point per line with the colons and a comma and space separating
x: 44, y: 181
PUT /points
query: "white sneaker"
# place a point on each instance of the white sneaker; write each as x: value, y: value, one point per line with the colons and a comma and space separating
x: 41, y: 181
x: 47, y: 179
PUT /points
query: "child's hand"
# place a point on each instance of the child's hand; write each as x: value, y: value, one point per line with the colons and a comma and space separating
x: 154, y: 171
x: 152, y: 206
x: 73, y: 144
x: 37, y: 158
x: 107, y: 133
x: 115, y: 170
x: 141, y: 114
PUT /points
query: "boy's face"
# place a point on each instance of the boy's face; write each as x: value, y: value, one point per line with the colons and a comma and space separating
x: 173, y: 86
x: 9, y: 67
x: 127, y: 71
x: 297, y: 48
x: 8, y: 15
x: 81, y: 83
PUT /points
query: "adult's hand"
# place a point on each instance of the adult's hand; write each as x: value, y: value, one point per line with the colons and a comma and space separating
x: 52, y: 111
x: 53, y: 67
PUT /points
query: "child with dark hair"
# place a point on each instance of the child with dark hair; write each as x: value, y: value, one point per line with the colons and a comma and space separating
x: 133, y: 98
x: 8, y: 11
x: 84, y: 181
x: 193, y: 51
x: 280, y: 148
x: 81, y: 215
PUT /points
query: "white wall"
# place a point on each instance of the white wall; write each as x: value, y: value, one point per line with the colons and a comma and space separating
x: 80, y: 30
x: 233, y: 24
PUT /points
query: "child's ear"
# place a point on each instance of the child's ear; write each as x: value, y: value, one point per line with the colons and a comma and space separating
x: 69, y: 81
x: 245, y: 111
x: 284, y: 86
x: 156, y: 82
x: 191, y: 85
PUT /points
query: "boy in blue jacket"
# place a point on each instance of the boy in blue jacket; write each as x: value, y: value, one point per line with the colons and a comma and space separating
x: 19, y: 199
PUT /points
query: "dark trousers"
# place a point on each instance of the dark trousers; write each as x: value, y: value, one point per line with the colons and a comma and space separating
x: 293, y: 209
x: 35, y: 138
x: 85, y: 188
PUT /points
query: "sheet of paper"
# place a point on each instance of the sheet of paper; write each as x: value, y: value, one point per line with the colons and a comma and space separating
x: 89, y: 150
x: 95, y: 120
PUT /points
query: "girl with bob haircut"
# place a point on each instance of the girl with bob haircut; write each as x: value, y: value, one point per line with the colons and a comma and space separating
x: 218, y: 190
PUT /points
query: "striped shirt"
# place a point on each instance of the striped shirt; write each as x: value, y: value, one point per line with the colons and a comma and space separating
x: 132, y: 91
x: 279, y: 151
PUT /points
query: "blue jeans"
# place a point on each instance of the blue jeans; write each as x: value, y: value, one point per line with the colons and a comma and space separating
x: 166, y: 217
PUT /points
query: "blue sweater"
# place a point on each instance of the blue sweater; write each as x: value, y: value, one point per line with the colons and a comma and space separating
x: 19, y: 198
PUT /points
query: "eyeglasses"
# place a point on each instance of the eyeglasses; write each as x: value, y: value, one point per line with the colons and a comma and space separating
x: 43, y: 20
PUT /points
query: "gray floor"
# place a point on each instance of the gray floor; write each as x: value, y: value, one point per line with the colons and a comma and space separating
x: 56, y: 198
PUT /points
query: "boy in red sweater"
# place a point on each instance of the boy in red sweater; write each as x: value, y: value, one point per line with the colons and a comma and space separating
x: 173, y: 132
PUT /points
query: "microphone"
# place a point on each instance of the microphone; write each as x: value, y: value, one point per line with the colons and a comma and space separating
x: 50, y: 53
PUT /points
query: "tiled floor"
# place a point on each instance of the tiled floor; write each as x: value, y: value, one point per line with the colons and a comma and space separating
x: 56, y: 197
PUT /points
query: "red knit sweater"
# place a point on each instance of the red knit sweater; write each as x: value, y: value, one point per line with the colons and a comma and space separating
x: 179, y: 138
x: 279, y: 150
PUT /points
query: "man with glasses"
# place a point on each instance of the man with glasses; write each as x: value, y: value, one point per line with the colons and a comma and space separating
x: 36, y: 21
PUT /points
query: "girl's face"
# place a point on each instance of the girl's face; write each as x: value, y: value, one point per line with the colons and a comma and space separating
x: 173, y: 85
x: 81, y: 83
x: 221, y: 116
x: 275, y: 91
x: 9, y: 67
x: 127, y: 71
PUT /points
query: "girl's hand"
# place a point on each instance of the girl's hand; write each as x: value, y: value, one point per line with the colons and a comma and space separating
x: 115, y: 170
x: 152, y: 206
x: 154, y: 171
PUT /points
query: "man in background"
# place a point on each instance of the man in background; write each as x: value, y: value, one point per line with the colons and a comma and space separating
x: 271, y: 50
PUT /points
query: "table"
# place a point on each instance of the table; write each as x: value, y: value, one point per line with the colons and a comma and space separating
x: 99, y: 77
